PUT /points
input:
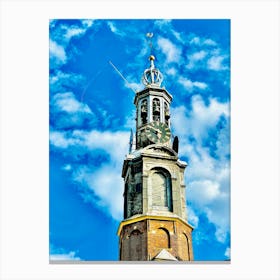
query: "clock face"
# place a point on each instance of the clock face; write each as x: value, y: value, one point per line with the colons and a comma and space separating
x: 158, y: 132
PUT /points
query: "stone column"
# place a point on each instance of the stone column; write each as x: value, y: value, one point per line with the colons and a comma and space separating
x: 145, y: 193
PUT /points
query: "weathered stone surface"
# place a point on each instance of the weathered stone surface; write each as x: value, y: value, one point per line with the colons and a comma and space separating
x: 153, y: 185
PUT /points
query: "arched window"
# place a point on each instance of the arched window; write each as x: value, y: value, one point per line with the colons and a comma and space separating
x: 166, y: 113
x: 156, y: 109
x: 144, y: 111
x: 163, y: 238
x: 161, y: 189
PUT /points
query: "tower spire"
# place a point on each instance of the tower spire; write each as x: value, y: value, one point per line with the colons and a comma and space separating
x: 155, y: 223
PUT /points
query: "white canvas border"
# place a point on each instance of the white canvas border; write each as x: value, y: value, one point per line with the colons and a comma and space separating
x: 255, y: 137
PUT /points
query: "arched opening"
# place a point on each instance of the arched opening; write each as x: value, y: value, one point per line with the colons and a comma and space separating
x: 163, y: 238
x: 156, y: 109
x: 144, y: 111
x: 161, y: 189
x: 166, y: 113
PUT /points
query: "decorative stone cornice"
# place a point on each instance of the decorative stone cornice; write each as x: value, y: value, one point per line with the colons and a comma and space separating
x: 150, y: 217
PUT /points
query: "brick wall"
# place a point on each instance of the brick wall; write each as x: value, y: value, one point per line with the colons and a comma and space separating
x: 144, y: 239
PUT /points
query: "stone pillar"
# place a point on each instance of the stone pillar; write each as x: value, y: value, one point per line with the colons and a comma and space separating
x: 145, y: 193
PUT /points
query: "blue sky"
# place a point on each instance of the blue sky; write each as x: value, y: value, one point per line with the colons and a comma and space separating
x: 92, y: 112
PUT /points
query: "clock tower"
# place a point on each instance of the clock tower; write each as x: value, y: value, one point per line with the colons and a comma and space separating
x: 155, y: 223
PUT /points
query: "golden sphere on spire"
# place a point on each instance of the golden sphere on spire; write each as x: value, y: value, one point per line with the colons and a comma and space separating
x: 152, y: 57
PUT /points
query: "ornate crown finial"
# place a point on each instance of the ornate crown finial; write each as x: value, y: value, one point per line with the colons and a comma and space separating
x: 152, y: 75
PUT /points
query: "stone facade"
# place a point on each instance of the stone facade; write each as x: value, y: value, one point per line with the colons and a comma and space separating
x: 154, y: 183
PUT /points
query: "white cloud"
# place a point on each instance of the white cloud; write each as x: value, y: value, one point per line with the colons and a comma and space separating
x: 60, y: 37
x: 179, y: 116
x: 60, y: 80
x: 64, y: 257
x: 67, y: 167
x: 60, y: 254
x: 103, y: 187
x: 196, y: 40
x: 163, y: 23
x: 115, y: 30
x: 207, y: 177
x: 209, y: 42
x: 172, y: 52
x: 57, y: 54
x: 205, y: 53
x: 73, y: 32
x: 114, y: 143
x: 208, y: 115
x: 222, y: 142
x: 60, y: 139
x: 165, y: 26
x: 194, y: 59
x: 199, y: 118
x: 178, y: 36
x: 67, y: 112
x: 227, y: 253
x: 100, y: 185
x: 171, y: 71
x: 70, y: 31
x: 133, y: 84
x: 218, y: 213
x: 215, y: 62
x: 190, y: 86
x: 67, y: 102
x: 106, y: 181
x: 193, y: 219
x: 52, y: 23
x: 87, y: 23
x: 209, y: 193
x: 203, y: 192
x: 198, y: 55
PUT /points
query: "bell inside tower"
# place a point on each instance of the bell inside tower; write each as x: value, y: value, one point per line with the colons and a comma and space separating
x: 144, y: 112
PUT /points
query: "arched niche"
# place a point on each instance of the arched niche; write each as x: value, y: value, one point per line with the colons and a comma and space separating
x: 156, y: 109
x: 144, y: 111
x: 163, y: 238
x: 161, y: 189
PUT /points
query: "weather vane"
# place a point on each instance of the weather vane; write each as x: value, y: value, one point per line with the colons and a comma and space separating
x: 150, y: 36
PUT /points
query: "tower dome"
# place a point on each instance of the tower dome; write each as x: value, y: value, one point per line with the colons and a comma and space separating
x: 152, y: 76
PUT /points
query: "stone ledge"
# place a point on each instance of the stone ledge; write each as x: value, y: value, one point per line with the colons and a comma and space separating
x: 138, y: 218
